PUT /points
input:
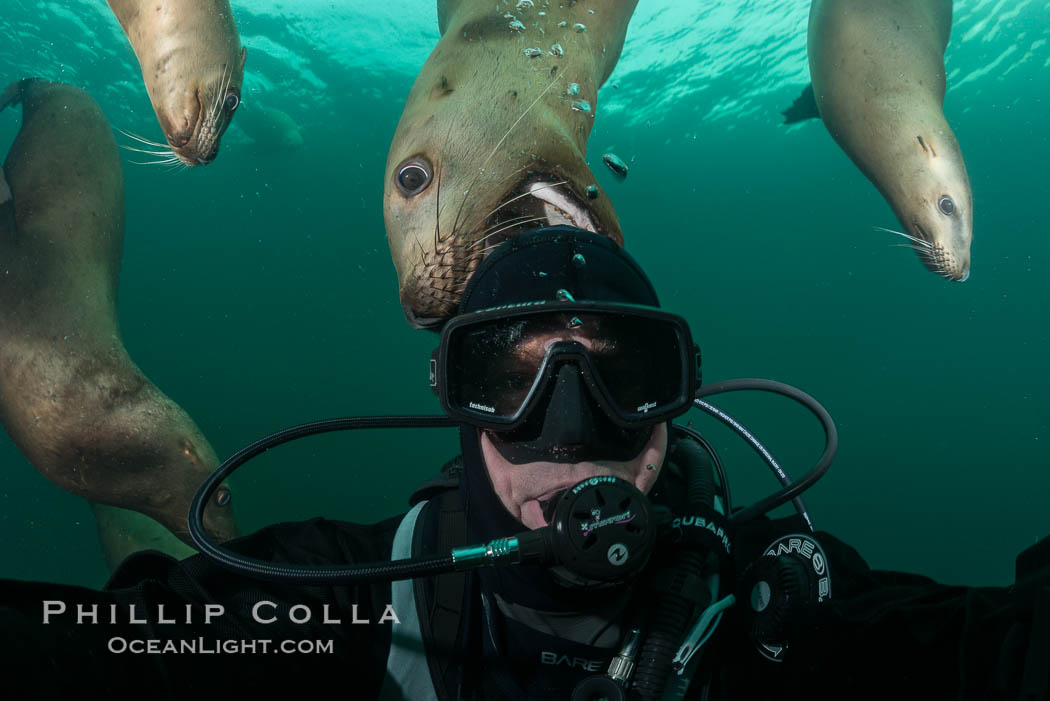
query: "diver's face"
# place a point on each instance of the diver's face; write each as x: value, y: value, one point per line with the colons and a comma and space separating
x: 525, y: 489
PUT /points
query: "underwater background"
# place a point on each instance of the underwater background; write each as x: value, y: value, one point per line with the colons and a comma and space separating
x: 258, y: 292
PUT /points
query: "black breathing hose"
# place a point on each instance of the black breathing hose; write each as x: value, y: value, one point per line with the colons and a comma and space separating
x: 791, y: 490
x: 307, y: 574
x: 416, y: 567
x: 723, y: 482
x: 675, y: 607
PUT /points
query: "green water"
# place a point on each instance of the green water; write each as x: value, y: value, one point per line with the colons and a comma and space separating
x: 258, y: 292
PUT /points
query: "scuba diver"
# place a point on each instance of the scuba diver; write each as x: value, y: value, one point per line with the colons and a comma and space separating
x: 583, y: 546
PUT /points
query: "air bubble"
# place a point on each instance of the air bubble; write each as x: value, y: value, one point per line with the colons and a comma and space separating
x: 532, y: 52
x: 578, y: 260
x: 556, y: 50
x: 517, y: 26
x: 615, y: 164
x: 581, y: 106
x: 579, y: 28
x: 573, y: 89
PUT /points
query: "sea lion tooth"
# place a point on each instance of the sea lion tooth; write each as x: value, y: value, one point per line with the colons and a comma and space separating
x: 485, y: 126
x: 878, y: 75
x: 192, y: 63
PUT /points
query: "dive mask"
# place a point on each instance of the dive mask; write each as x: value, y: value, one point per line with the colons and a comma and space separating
x: 574, y: 373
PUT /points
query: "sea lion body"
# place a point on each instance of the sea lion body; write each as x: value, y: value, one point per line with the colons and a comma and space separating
x: 484, y: 127
x: 878, y: 79
x: 193, y: 65
x: 71, y: 398
x: 270, y: 128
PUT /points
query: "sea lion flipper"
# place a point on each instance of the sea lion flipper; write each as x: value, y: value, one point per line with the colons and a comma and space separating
x: 804, y: 107
x: 12, y: 94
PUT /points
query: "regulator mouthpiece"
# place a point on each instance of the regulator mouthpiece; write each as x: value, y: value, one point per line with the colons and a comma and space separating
x: 600, y: 530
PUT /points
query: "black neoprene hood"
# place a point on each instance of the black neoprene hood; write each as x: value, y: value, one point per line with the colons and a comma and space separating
x: 539, y: 264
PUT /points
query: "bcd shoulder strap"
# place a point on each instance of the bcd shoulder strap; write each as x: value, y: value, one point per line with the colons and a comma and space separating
x: 442, y: 613
x: 429, y: 666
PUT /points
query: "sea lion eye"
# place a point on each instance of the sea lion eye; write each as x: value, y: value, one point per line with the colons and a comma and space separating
x: 946, y: 205
x: 231, y: 102
x: 413, y: 176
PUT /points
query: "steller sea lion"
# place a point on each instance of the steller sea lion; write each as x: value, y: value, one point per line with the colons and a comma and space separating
x: 193, y: 64
x: 270, y: 128
x: 71, y: 398
x: 877, y: 68
x: 493, y: 138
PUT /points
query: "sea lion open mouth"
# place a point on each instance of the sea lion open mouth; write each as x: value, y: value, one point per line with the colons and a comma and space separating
x: 541, y: 199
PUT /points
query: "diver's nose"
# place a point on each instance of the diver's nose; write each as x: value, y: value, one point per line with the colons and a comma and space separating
x: 569, y: 420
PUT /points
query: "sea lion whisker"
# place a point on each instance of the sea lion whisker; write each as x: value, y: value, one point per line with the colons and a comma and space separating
x: 506, y: 177
x: 516, y: 121
x: 513, y: 220
x: 215, y: 103
x: 152, y: 163
x: 485, y: 250
x: 481, y: 168
x: 916, y: 239
x: 151, y: 153
x: 224, y: 84
x: 226, y: 87
x: 524, y: 194
x: 140, y: 139
x: 437, y: 202
x: 510, y: 224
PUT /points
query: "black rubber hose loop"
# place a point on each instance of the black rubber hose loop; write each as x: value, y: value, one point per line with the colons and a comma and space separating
x: 791, y: 490
x: 306, y: 574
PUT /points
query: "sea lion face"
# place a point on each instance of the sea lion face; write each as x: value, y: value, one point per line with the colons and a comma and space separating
x: 472, y: 165
x: 938, y: 210
x: 195, y: 114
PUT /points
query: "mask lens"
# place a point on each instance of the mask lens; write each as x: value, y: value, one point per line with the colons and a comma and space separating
x: 487, y: 374
x: 644, y: 370
x: 638, y: 363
